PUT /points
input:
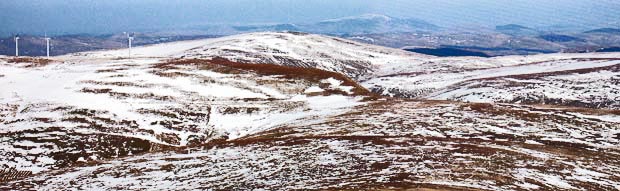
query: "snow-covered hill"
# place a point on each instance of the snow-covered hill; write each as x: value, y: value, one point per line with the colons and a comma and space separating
x: 351, y: 58
x: 183, y: 116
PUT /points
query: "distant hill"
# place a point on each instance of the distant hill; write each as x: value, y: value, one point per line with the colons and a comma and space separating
x: 447, y: 52
x: 605, y: 30
x: 512, y: 27
x: 610, y: 49
x: 516, y: 30
x: 353, y: 25
x: 35, y: 45
x: 277, y: 27
x: 559, y: 38
x: 401, y: 33
x: 369, y: 23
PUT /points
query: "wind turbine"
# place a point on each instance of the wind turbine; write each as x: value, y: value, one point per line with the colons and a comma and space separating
x: 17, y: 45
x: 47, y: 40
x: 129, y: 40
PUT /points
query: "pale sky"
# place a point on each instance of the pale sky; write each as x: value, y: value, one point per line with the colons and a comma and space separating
x: 111, y: 16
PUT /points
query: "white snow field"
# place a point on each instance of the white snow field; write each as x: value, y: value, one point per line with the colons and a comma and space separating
x: 177, y: 116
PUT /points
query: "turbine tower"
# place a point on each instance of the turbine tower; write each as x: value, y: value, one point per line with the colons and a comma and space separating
x: 16, y: 45
x: 47, y: 42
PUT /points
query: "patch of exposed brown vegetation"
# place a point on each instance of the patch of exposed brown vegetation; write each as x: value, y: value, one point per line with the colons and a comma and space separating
x: 33, y: 62
x: 96, y: 91
x: 222, y: 65
x: 123, y: 84
x: 7, y: 175
x: 121, y: 95
x: 112, y: 70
